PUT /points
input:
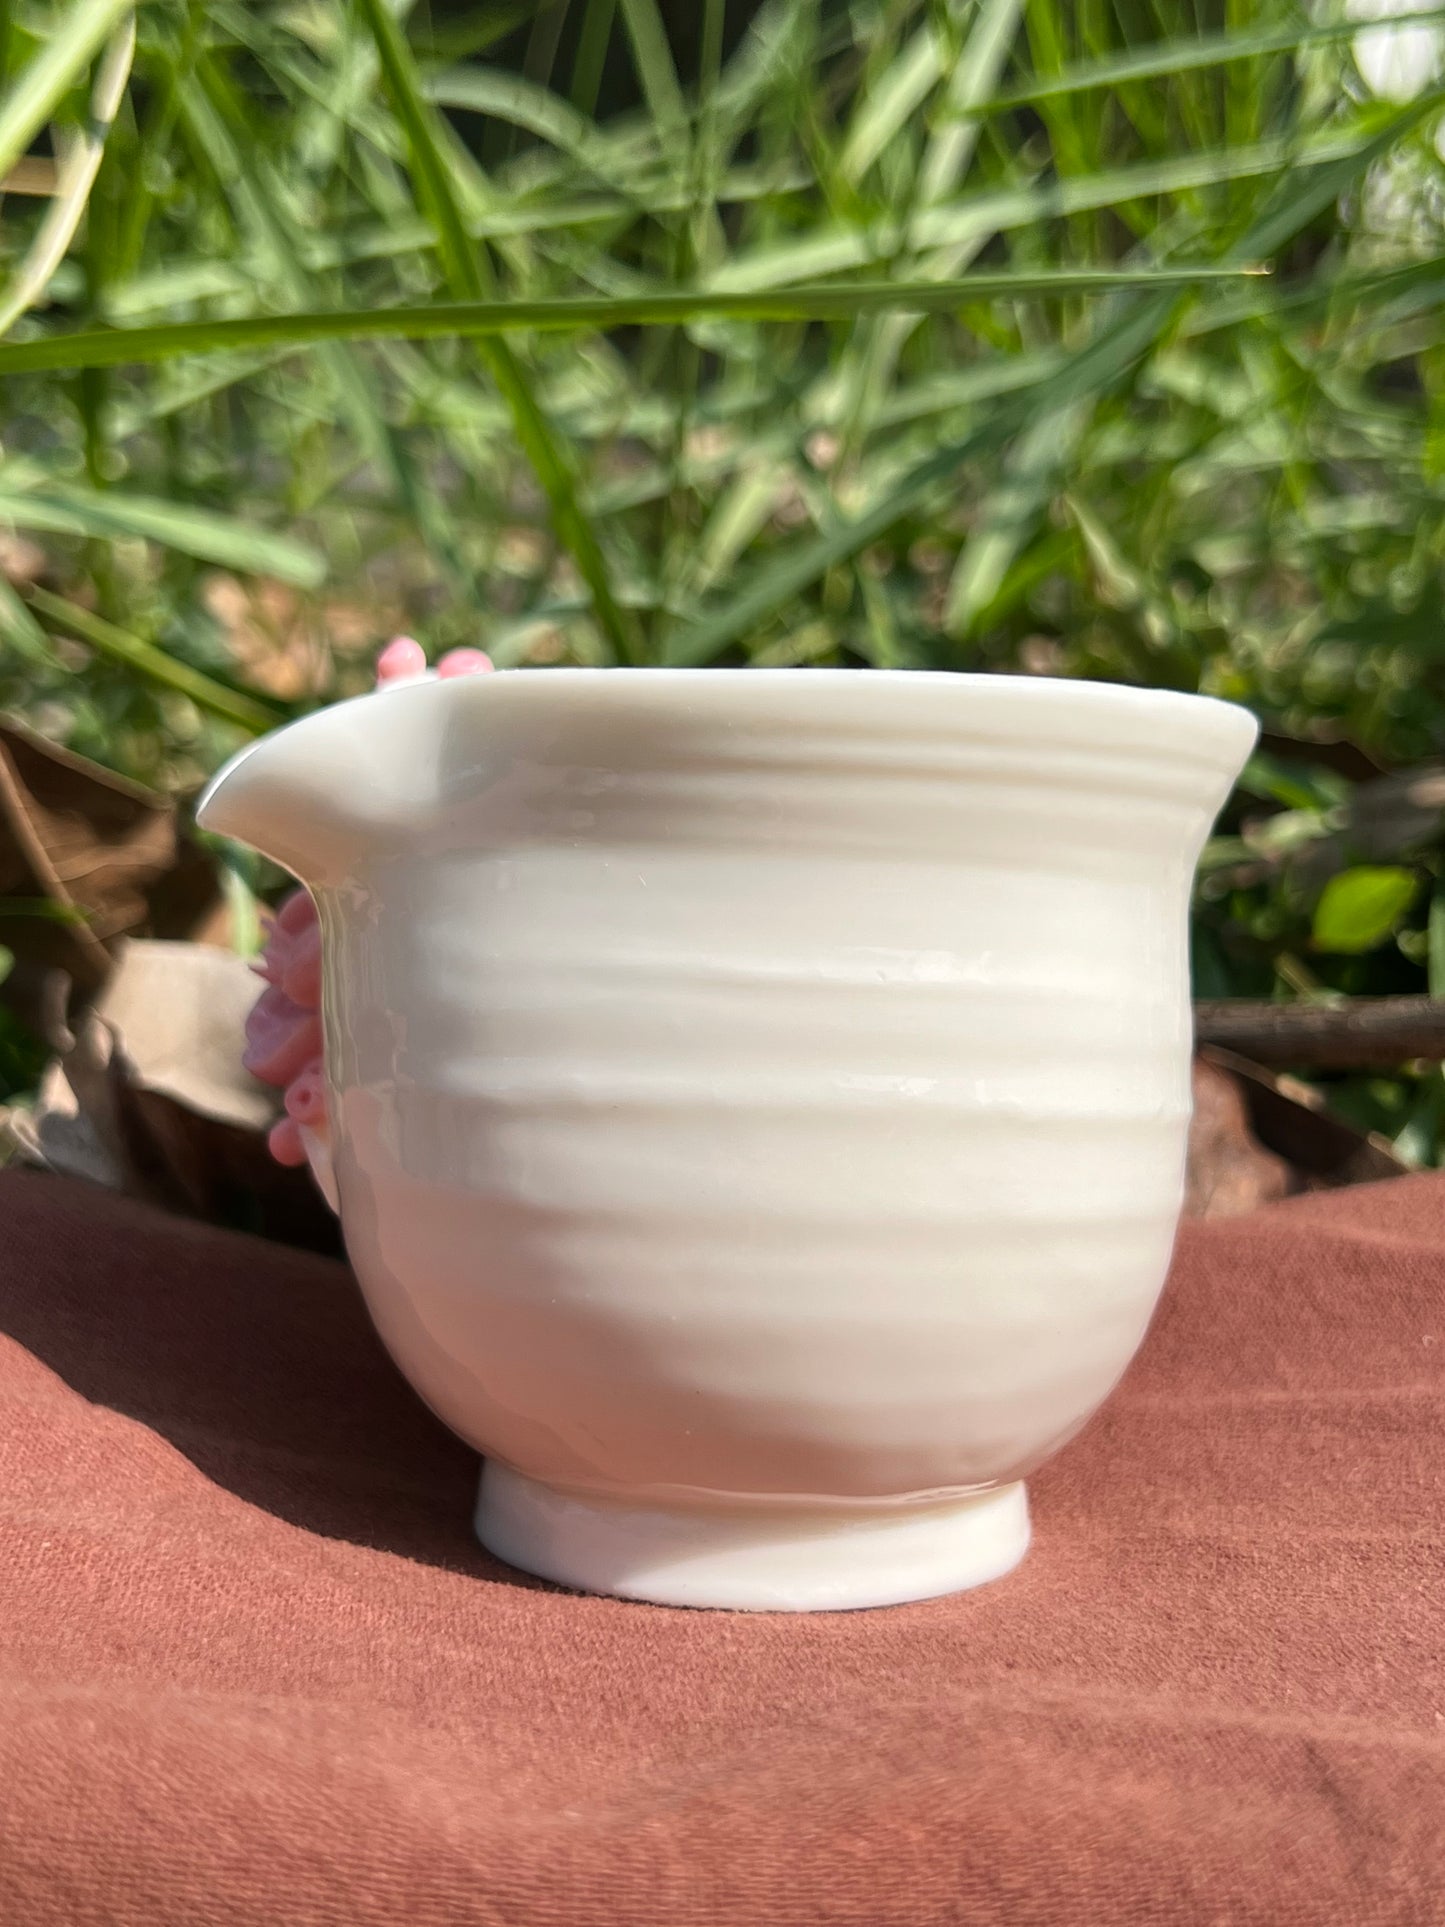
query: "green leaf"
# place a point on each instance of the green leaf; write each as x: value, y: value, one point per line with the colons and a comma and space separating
x: 1032, y: 470
x: 1156, y: 60
x: 890, y: 103
x: 975, y: 216
x: 785, y: 576
x: 118, y: 347
x: 1416, y: 1143
x: 28, y: 502
x: 951, y: 146
x: 653, y: 59
x: 1050, y: 444
x: 591, y: 55
x: 80, y: 159
x: 470, y: 280
x: 1292, y: 785
x: 1360, y: 908
x: 465, y: 265
x: 44, y: 83
x: 249, y: 712
x: 19, y: 627
x: 1319, y: 180
x: 43, y: 909
x: 1435, y: 954
x: 1116, y: 345
x: 215, y: 111
x: 509, y: 97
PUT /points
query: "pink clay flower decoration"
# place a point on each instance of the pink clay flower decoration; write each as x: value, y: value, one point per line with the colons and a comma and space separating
x: 283, y: 1031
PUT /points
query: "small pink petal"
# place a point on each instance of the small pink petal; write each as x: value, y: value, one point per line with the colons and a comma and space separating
x: 301, y: 974
x: 402, y: 658
x: 284, y: 1143
x: 296, y: 912
x: 306, y: 1095
x: 464, y: 662
x: 281, y: 1038
x: 293, y: 925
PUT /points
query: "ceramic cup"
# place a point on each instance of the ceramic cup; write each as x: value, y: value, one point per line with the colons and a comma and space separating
x: 757, y: 1099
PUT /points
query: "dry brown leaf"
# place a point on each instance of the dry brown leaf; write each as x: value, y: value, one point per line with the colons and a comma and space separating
x: 1229, y: 1172
x: 150, y: 1097
x: 1294, y: 1120
x: 1256, y: 1137
x: 86, y: 841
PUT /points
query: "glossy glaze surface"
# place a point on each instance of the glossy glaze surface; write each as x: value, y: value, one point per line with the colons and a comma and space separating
x: 760, y: 1088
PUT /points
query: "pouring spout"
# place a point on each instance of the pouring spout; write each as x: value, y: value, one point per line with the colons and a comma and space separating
x: 324, y: 792
x: 275, y: 796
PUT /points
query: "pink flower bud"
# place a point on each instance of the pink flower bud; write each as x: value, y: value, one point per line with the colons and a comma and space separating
x: 301, y: 973
x: 306, y: 1095
x: 402, y: 660
x: 284, y: 1143
x: 283, y: 1031
x: 296, y: 913
x: 281, y: 1038
x: 464, y: 662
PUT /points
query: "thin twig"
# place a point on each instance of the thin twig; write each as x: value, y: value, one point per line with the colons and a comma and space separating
x: 1367, y: 1033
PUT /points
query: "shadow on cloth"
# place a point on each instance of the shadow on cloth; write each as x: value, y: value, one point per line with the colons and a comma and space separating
x: 256, y: 1361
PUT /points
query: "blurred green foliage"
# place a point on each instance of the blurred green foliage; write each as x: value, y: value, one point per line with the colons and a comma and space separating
x: 1237, y: 487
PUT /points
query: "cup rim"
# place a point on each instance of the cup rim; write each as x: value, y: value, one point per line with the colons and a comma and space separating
x: 932, y: 710
x: 1129, y: 715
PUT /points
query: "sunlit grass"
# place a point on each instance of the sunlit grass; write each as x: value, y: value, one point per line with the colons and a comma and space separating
x: 797, y: 359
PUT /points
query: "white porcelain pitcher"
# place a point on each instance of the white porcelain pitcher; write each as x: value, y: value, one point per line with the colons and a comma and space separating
x: 758, y: 1098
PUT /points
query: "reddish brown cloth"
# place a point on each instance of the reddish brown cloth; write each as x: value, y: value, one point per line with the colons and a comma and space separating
x: 253, y: 1669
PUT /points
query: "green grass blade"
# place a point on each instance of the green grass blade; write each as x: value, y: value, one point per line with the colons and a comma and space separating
x: 953, y: 389
x: 80, y: 163
x: 521, y: 103
x: 472, y: 31
x: 213, y: 110
x: 20, y: 629
x: 28, y: 501
x: 1050, y: 444
x: 465, y: 266
x: 1108, y: 356
x: 1312, y: 187
x: 248, y: 712
x: 525, y: 221
x: 48, y: 78
x: 740, y: 512
x: 1158, y: 60
x: 115, y: 347
x: 1031, y: 472
x: 591, y: 54
x: 1436, y: 939
x: 981, y: 61
x: 890, y: 103
x: 653, y: 59
x: 776, y: 582
x: 971, y: 217
x: 470, y: 280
